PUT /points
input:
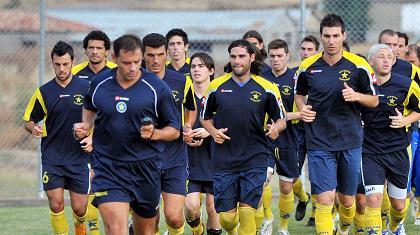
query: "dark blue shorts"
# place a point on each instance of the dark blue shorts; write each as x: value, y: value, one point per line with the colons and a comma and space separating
x: 329, y: 170
x: 200, y: 186
x: 75, y: 178
x: 286, y: 162
x: 233, y: 187
x: 136, y: 182
x: 174, y: 180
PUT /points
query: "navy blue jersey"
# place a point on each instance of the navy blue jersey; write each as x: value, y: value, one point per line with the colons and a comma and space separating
x: 119, y: 112
x: 241, y: 109
x: 59, y: 107
x: 199, y: 160
x: 285, y: 83
x: 265, y: 68
x: 379, y: 138
x: 406, y: 69
x: 82, y: 70
x: 337, y: 125
x: 184, y: 70
x: 175, y: 153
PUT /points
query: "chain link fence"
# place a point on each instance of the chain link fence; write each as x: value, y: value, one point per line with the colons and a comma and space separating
x: 211, y: 25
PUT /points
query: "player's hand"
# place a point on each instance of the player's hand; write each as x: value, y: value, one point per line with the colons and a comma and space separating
x: 195, y: 143
x: 37, y: 131
x: 80, y: 130
x: 86, y: 144
x: 349, y: 94
x: 273, y: 131
x: 398, y: 121
x: 306, y: 114
x: 219, y: 136
x: 146, y: 131
x: 187, y: 133
x: 200, y: 133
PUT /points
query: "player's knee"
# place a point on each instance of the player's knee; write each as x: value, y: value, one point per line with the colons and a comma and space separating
x: 228, y: 220
x: 192, y: 210
x: 360, y: 203
x: 326, y: 198
x: 115, y: 228
x: 79, y: 208
x: 398, y: 205
x: 286, y: 184
x: 174, y: 221
x: 57, y: 206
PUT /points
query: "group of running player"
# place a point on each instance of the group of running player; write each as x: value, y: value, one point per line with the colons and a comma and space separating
x: 143, y: 127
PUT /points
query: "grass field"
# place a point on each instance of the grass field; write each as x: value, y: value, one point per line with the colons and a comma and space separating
x: 35, y: 221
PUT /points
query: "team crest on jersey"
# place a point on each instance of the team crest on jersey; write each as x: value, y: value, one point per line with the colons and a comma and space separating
x: 287, y: 90
x: 255, y: 96
x: 344, y: 75
x: 78, y: 99
x: 121, y: 107
x: 392, y: 100
x: 175, y: 95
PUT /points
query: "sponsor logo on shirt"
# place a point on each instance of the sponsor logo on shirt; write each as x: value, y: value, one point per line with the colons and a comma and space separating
x: 64, y: 95
x: 255, y: 96
x: 344, y: 75
x: 316, y: 71
x: 226, y: 91
x: 78, y: 99
x: 82, y: 76
x: 117, y: 98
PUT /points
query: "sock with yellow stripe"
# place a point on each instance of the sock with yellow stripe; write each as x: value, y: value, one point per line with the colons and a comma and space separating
x: 247, y: 221
x: 323, y: 222
x: 313, y: 201
x: 229, y: 222
x: 59, y: 223
x: 286, y: 205
x: 259, y: 217
x: 299, y: 191
x: 266, y: 199
x: 175, y: 231
x: 373, y: 221
x: 346, y: 217
x: 395, y: 217
x: 196, y: 226
x: 93, y: 217
x: 385, y: 208
x: 359, y: 223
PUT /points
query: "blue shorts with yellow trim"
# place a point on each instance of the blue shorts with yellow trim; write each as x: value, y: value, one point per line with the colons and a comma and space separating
x: 329, y: 170
x: 286, y: 162
x: 75, y: 178
x: 174, y: 180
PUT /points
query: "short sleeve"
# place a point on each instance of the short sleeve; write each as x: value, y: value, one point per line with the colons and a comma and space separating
x: 36, y: 108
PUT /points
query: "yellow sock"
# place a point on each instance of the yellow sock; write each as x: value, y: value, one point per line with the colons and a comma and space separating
x: 247, y: 220
x: 299, y: 191
x: 259, y: 217
x: 92, y: 217
x: 59, y: 223
x: 334, y: 212
x: 266, y: 198
x: 313, y: 201
x: 373, y: 220
x: 396, y: 217
x: 199, y: 229
x: 346, y: 217
x: 359, y: 223
x: 385, y: 208
x: 229, y: 222
x: 323, y: 222
x: 286, y: 205
x: 175, y: 231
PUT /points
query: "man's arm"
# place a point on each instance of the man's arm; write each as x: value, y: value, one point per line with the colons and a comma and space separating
x: 33, y: 128
x: 82, y: 129
x: 306, y: 113
x: 349, y: 95
x: 217, y: 134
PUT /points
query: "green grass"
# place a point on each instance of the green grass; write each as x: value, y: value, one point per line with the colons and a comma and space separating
x: 35, y: 221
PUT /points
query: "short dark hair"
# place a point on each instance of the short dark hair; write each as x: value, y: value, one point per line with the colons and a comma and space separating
x: 346, y: 46
x: 97, y: 35
x: 154, y: 40
x: 206, y: 59
x: 389, y: 32
x: 256, y: 66
x: 332, y: 20
x: 177, y: 32
x: 127, y: 42
x: 311, y: 38
x: 405, y: 36
x: 277, y: 44
x: 61, y: 48
x: 255, y: 34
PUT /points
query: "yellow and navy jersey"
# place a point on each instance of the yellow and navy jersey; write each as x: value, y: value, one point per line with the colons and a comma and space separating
x: 82, y: 70
x: 185, y: 69
x: 59, y: 107
x: 199, y: 158
x: 241, y: 108
x: 406, y: 69
x: 337, y: 125
x: 175, y: 153
x: 285, y: 83
x: 119, y: 112
x: 379, y: 138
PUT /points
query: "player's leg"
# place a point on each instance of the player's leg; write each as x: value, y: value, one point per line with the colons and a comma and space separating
x: 264, y: 219
x: 115, y: 217
x: 213, y: 224
x: 359, y: 217
x: 193, y: 207
x: 79, y: 204
x: 323, y: 178
x: 93, y: 212
x: 78, y: 183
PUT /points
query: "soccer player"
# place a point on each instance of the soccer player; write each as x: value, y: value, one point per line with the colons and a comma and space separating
x: 133, y: 112
x: 402, y: 45
x: 413, y: 54
x: 177, y: 48
x: 200, y: 177
x: 64, y: 163
x: 255, y: 38
x: 234, y: 112
x: 385, y: 156
x: 337, y: 83
x: 174, y: 157
x: 285, y: 147
x: 97, y: 46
